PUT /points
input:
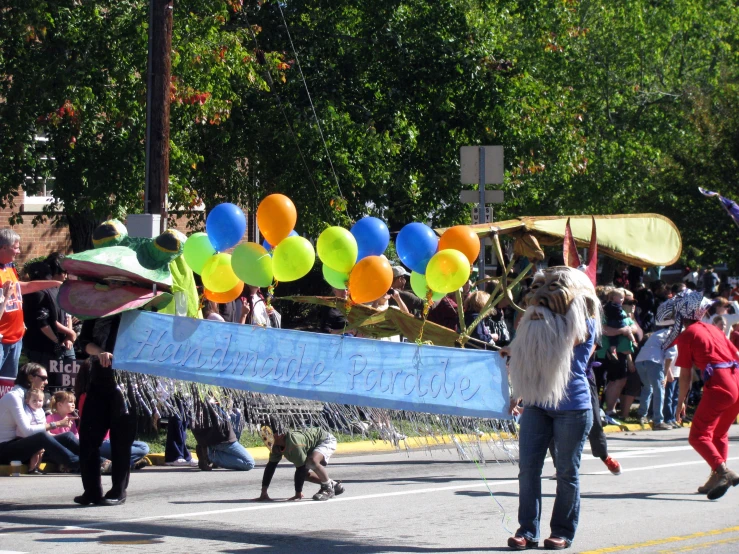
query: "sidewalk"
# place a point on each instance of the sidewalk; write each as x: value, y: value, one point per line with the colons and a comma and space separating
x: 261, y: 454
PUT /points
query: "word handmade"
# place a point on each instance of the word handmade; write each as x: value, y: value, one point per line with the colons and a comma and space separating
x: 329, y: 368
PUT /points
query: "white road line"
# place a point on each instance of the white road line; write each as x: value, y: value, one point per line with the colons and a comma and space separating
x: 285, y: 505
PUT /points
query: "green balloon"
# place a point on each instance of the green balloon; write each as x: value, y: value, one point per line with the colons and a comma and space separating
x: 292, y: 259
x: 198, y: 250
x: 335, y: 278
x: 252, y: 264
x: 447, y: 271
x: 218, y: 276
x: 337, y: 248
x: 421, y: 288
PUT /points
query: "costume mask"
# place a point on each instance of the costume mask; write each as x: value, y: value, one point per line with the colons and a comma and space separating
x: 268, y: 437
x: 561, y: 302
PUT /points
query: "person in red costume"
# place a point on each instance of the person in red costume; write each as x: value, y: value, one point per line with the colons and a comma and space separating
x: 705, y: 347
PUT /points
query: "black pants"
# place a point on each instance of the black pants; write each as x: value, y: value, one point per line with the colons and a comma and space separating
x: 105, y: 410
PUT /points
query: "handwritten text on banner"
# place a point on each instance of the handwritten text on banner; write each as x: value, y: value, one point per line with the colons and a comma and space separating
x: 329, y: 368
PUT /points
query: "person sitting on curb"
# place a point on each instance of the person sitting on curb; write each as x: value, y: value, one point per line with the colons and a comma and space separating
x: 217, y: 440
x: 310, y: 450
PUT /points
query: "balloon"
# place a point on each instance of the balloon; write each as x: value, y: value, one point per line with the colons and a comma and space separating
x: 421, y: 288
x: 370, y: 279
x: 198, y: 250
x: 225, y: 297
x: 226, y: 225
x: 293, y: 258
x: 217, y: 274
x: 268, y: 247
x: 337, y: 248
x: 276, y: 217
x: 335, y: 278
x: 251, y: 263
x: 416, y: 244
x: 447, y: 271
x: 372, y: 236
x: 462, y: 238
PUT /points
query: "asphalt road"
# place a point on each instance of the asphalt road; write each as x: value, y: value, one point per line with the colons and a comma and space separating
x: 424, y: 502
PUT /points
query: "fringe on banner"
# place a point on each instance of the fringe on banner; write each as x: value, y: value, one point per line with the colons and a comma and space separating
x: 474, y: 439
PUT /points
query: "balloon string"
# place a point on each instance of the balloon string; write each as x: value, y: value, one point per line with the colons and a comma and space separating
x: 426, y: 308
x: 271, y: 293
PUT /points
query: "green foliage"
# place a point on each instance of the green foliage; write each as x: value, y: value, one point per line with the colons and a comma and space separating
x: 615, y: 106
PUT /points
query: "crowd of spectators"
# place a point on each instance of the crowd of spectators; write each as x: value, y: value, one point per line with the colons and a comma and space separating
x: 39, y: 419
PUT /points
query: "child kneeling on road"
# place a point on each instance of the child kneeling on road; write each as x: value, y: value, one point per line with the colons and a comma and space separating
x: 310, y: 450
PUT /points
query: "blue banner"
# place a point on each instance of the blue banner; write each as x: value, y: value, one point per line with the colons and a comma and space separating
x: 329, y: 368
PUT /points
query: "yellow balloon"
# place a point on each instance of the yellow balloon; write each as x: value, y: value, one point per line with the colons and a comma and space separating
x: 217, y: 275
x: 447, y: 271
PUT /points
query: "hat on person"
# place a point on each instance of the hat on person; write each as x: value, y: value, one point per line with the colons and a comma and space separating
x: 399, y: 271
x: 686, y: 305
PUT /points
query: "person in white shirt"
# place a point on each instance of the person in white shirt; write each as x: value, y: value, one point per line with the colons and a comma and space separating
x: 19, y: 438
x: 653, y: 364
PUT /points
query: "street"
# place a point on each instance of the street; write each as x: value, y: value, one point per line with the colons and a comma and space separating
x: 422, y: 502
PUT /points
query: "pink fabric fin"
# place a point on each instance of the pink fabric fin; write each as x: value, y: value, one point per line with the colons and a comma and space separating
x: 592, y: 269
x: 569, y: 248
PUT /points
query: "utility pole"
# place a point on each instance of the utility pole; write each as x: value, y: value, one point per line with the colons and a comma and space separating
x: 157, y: 111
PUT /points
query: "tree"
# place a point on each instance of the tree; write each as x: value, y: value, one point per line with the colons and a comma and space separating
x: 75, y: 73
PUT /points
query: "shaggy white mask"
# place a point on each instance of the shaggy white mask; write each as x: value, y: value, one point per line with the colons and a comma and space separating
x: 541, y: 353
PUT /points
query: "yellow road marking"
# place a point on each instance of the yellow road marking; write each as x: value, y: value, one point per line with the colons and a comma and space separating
x: 699, y: 546
x: 668, y: 540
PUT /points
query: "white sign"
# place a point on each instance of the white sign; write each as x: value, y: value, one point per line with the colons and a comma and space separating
x: 476, y: 215
x: 469, y: 161
x: 473, y: 197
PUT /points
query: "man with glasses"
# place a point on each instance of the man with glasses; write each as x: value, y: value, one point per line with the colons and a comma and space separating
x: 11, y: 321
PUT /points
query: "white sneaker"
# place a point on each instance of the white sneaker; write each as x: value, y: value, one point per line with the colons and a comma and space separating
x: 181, y: 462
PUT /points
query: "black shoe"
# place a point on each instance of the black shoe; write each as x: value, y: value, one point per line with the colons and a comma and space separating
x: 201, y: 452
x: 85, y: 500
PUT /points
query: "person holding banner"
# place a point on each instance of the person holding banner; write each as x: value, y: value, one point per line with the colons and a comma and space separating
x: 548, y: 371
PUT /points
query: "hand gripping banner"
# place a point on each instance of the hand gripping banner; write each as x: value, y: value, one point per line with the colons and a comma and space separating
x: 328, y: 368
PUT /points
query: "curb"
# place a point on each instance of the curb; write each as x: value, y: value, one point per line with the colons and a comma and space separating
x: 366, y: 447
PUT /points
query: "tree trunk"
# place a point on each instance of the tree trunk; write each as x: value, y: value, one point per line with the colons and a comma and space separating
x: 81, y: 227
x: 608, y: 268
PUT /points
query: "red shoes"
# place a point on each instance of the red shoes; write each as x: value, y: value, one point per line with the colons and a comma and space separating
x: 521, y: 543
x: 555, y: 543
x: 612, y: 465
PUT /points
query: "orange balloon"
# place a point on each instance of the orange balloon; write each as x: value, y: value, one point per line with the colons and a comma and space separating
x: 370, y: 279
x: 462, y: 238
x: 276, y: 217
x: 225, y: 297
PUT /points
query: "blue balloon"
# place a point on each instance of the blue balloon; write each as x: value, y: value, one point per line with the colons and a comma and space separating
x: 372, y: 237
x: 268, y: 247
x: 416, y: 244
x: 226, y: 225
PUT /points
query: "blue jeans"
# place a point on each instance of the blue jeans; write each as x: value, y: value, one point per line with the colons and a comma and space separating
x: 11, y: 354
x: 569, y: 429
x: 672, y: 392
x: 138, y: 450
x: 651, y: 374
x: 231, y: 456
x: 60, y: 449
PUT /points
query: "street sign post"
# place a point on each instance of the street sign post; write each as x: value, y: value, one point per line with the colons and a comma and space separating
x: 481, y: 165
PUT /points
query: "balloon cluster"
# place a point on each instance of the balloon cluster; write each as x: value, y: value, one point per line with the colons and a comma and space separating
x: 284, y: 256
x: 354, y: 259
x: 438, y: 265
x: 204, y: 252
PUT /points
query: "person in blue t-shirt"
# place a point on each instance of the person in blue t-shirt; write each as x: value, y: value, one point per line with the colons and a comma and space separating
x: 548, y: 362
